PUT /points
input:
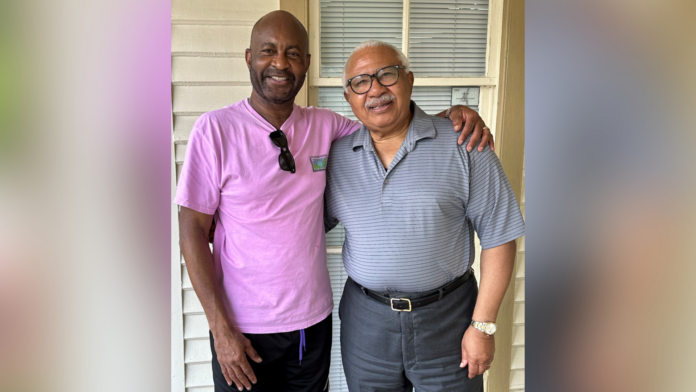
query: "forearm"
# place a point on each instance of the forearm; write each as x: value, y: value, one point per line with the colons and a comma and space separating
x: 444, y: 112
x: 497, y: 265
x: 201, y: 270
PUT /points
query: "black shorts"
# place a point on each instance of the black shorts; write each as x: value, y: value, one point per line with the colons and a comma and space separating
x: 281, y: 369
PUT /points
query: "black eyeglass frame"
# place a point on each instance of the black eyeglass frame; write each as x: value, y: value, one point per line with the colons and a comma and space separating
x: 376, y: 76
x: 285, y: 160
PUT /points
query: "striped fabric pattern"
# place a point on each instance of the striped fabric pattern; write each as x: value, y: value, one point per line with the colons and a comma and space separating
x: 411, y: 228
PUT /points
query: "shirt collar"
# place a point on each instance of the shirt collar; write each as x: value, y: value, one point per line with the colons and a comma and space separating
x: 421, y: 127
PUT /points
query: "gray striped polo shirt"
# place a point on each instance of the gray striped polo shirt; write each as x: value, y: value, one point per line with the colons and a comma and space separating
x: 411, y: 228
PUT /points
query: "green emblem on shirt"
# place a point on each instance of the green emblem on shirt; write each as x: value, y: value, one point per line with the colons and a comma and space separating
x: 319, y: 163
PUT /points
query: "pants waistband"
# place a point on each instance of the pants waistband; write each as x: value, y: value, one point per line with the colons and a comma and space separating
x: 408, y: 304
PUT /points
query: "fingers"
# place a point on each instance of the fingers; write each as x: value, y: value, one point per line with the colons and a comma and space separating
x: 486, y: 138
x: 457, y: 120
x: 231, y: 377
x: 464, y: 363
x: 248, y: 372
x: 242, y: 377
x: 476, y: 364
x: 252, y: 353
x: 465, y: 359
x: 469, y: 127
x: 228, y: 378
x: 475, y: 136
x: 478, y: 367
x: 474, y: 369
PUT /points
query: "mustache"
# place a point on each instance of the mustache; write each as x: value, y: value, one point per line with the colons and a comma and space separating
x: 386, y: 97
x: 278, y: 73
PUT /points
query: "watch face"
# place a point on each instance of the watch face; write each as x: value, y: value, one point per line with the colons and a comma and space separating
x: 490, y: 329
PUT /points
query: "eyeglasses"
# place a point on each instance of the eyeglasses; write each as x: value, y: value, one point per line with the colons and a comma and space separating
x: 387, y: 76
x: 285, y: 159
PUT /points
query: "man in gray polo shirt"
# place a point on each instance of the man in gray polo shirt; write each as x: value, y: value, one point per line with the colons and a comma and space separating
x: 410, y: 199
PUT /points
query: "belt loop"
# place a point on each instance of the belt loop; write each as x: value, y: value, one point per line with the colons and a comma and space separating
x: 364, y: 290
x: 442, y: 291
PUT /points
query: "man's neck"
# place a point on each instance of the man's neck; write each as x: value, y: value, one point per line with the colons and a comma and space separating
x: 276, y: 114
x: 387, y: 143
x: 397, y: 132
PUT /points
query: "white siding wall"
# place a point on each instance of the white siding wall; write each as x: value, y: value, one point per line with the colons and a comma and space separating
x: 208, y: 72
x: 517, y: 362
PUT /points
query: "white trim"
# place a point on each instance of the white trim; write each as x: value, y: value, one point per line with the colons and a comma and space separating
x: 405, y: 25
x: 315, y: 43
x: 177, y: 314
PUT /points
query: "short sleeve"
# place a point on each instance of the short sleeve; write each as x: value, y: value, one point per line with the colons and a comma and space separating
x: 492, y: 206
x: 344, y: 127
x: 198, y: 187
x: 329, y: 221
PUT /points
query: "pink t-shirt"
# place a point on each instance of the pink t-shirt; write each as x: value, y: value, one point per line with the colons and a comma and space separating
x: 269, y: 247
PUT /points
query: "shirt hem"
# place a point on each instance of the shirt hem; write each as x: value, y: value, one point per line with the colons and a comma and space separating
x: 287, y: 328
x: 504, y: 240
x: 199, y: 208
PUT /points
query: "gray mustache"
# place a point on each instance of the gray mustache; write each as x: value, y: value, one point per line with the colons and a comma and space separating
x: 379, y: 101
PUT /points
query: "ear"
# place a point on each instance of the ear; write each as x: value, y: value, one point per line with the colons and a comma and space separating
x: 247, y: 56
x: 345, y: 95
x: 309, y: 58
x: 410, y: 78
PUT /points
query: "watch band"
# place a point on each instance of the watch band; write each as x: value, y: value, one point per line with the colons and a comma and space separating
x: 488, y: 328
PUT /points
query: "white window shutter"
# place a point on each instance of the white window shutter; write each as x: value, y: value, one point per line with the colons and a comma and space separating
x: 336, y: 236
x: 447, y: 38
x: 338, y: 279
x: 332, y: 98
x: 433, y: 100
x: 346, y: 23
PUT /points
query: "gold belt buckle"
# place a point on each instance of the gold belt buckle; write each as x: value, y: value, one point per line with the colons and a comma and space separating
x: 402, y: 299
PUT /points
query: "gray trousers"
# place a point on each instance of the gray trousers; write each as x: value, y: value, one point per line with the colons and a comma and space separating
x: 384, y: 350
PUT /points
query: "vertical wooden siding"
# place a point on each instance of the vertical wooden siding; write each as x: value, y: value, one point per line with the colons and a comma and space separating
x: 208, y: 72
x: 507, y: 372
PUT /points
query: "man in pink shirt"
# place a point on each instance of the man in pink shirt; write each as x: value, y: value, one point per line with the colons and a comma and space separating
x: 258, y: 168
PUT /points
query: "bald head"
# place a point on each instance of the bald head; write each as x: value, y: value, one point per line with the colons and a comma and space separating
x: 278, y: 58
x: 281, y: 22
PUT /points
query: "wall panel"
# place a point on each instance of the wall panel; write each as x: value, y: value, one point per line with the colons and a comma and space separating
x: 209, y: 38
x: 221, y: 10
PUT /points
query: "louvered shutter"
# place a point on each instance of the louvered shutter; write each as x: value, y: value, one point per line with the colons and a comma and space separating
x: 345, y: 24
x: 433, y: 100
x: 447, y: 38
x: 338, y: 275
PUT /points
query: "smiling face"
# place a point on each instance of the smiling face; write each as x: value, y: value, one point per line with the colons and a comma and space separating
x: 278, y: 58
x: 381, y: 109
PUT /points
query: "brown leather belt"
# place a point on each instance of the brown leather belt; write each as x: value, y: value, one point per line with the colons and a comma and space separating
x: 408, y: 304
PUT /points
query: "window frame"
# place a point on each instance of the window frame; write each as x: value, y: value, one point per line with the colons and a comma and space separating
x: 501, y: 98
x: 489, y: 83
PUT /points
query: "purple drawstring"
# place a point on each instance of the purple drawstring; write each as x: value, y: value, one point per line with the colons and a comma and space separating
x: 303, y: 344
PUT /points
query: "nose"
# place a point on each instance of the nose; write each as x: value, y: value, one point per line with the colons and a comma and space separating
x: 280, y: 61
x: 376, y: 90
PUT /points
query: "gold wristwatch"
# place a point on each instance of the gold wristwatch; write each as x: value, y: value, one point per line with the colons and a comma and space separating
x: 487, y: 328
